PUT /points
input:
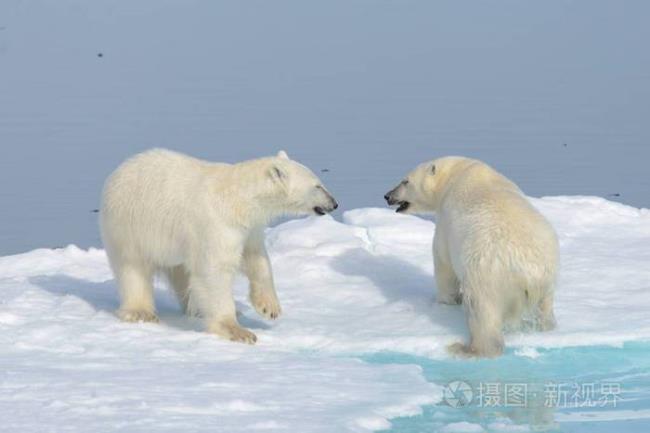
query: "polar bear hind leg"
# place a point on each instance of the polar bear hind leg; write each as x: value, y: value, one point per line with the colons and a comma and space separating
x: 546, y: 317
x: 136, y: 292
x: 485, y: 321
x: 537, y: 307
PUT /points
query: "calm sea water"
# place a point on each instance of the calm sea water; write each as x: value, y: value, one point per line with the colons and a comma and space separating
x: 554, y: 94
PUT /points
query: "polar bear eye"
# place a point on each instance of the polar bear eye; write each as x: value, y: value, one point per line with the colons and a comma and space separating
x: 405, y: 182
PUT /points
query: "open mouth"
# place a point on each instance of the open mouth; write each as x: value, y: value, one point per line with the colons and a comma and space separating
x: 319, y: 210
x: 403, y: 205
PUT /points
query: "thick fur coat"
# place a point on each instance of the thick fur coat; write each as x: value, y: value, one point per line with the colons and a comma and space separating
x: 199, y: 223
x: 492, y: 250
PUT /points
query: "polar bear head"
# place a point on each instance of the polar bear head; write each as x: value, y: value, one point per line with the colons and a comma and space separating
x: 422, y: 189
x: 300, y: 192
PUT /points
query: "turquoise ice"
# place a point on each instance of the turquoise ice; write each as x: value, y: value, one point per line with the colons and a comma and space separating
x: 598, y: 389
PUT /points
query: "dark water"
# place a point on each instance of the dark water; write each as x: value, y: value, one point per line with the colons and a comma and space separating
x: 555, y: 94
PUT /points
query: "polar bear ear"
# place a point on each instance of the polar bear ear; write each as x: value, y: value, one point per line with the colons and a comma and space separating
x: 283, y: 155
x: 278, y: 175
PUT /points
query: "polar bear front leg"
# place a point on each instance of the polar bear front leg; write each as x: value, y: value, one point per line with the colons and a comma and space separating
x: 446, y: 282
x: 257, y: 267
x: 211, y: 289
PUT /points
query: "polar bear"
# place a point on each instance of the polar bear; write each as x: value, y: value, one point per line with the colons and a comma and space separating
x: 199, y: 223
x: 492, y: 250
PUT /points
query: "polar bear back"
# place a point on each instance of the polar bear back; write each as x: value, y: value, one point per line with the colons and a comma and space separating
x: 153, y: 193
x: 491, y: 228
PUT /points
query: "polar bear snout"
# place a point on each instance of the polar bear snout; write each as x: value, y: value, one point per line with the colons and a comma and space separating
x: 395, y: 197
x: 328, y: 207
x: 391, y: 196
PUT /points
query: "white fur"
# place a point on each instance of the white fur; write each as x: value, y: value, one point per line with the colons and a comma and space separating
x: 492, y: 250
x: 199, y: 223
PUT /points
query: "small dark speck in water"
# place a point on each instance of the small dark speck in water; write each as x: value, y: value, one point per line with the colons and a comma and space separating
x: 616, y: 194
x: 100, y: 54
x: 324, y: 170
x: 565, y: 145
x: 95, y: 211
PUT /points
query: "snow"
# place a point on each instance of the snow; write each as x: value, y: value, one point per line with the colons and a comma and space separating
x: 67, y: 361
x: 348, y: 289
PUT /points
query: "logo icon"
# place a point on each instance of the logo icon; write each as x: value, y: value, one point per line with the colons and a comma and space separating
x: 457, y: 394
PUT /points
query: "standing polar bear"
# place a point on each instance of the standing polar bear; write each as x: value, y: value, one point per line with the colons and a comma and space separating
x: 492, y: 250
x: 199, y: 223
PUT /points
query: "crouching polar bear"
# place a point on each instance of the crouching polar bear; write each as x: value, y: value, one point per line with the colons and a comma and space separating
x: 492, y: 250
x: 199, y: 223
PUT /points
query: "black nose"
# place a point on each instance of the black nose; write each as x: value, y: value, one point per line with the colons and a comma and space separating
x: 336, y: 205
x: 386, y: 196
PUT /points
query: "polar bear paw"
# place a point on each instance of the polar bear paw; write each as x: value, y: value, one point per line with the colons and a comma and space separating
x: 137, y: 316
x: 233, y: 332
x: 266, y: 304
x: 461, y: 350
x: 456, y: 299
